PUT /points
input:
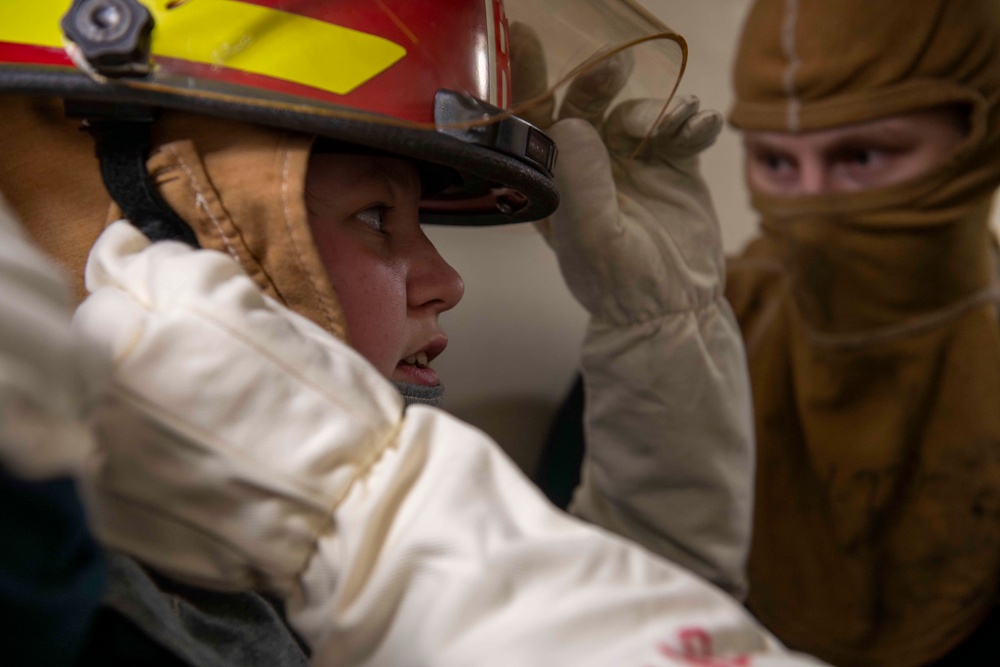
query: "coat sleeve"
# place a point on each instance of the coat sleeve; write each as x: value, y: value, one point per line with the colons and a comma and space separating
x: 668, y: 430
x: 670, y: 449
x: 395, y: 538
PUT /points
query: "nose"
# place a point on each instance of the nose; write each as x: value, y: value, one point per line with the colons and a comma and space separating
x: 432, y: 283
x: 812, y: 177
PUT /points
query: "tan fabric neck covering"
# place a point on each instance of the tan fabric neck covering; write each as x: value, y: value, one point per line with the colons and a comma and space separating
x: 868, y: 263
x: 239, y: 186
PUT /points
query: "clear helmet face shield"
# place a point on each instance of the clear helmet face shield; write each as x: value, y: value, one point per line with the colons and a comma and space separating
x: 431, y: 80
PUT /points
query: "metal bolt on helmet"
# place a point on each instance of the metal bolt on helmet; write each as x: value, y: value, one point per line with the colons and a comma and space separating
x: 112, y: 36
x: 426, y: 80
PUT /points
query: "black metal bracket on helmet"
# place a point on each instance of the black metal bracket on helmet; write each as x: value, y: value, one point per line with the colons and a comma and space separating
x: 113, y: 36
x: 112, y: 39
x: 477, y: 122
x: 122, y: 134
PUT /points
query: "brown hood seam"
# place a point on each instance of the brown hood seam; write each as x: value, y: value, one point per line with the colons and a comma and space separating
x: 200, y: 203
x: 790, y: 44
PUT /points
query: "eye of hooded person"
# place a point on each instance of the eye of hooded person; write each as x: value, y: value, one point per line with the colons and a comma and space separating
x: 770, y: 165
x: 853, y: 158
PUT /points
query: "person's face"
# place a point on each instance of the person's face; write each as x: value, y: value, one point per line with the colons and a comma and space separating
x: 853, y: 157
x: 391, y: 281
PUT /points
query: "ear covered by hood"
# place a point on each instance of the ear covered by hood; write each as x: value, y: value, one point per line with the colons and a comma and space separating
x: 239, y: 186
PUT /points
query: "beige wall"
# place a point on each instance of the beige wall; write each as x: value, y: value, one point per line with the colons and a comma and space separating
x: 515, y: 338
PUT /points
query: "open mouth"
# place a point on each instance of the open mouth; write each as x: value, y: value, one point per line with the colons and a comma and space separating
x: 416, y: 368
x: 419, y: 360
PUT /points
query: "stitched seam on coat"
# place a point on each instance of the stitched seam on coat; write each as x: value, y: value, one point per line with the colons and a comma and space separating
x: 790, y: 46
x: 317, y: 292
x: 202, y: 203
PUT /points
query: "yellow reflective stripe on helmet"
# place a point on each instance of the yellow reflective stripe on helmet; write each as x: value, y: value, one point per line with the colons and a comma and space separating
x: 237, y: 35
x: 35, y: 23
x: 261, y: 40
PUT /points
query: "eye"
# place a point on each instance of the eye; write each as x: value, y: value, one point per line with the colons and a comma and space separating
x: 775, y: 171
x: 374, y: 217
x: 775, y: 162
x: 862, y: 157
x: 865, y: 156
x: 862, y: 166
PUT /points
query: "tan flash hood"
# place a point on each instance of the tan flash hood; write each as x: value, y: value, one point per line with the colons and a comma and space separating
x: 239, y: 186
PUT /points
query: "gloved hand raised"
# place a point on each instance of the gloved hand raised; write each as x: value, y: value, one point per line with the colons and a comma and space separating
x: 668, y: 421
x: 636, y: 233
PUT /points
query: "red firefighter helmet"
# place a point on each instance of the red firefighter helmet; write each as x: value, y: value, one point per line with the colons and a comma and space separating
x: 427, y: 80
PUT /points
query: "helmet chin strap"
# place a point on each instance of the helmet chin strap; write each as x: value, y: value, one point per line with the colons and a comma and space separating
x: 418, y: 394
x: 122, y: 148
x: 122, y: 134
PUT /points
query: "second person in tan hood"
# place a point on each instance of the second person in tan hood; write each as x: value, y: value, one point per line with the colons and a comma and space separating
x: 869, y: 309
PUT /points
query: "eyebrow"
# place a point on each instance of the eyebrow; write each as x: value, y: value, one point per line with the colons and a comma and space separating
x: 887, y: 133
x: 850, y: 137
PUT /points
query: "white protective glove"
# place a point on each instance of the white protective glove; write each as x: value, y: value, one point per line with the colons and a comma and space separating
x: 47, y: 382
x: 668, y: 418
x: 242, y: 446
